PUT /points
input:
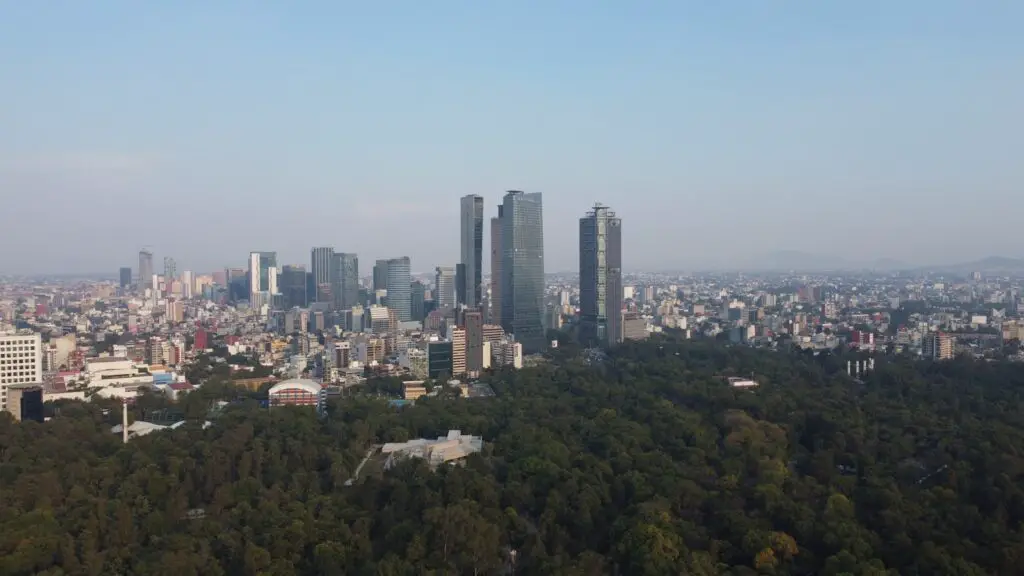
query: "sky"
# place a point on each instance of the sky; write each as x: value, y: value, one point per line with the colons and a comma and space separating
x: 718, y: 131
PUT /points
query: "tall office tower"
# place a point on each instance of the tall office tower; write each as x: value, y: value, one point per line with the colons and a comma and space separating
x: 345, y: 280
x: 522, y: 269
x: 380, y: 275
x: 398, y: 284
x: 600, y: 277
x: 321, y: 261
x: 145, y: 270
x: 125, y: 277
x: 473, y: 324
x: 444, y: 287
x: 469, y: 274
x: 188, y: 284
x: 262, y: 272
x: 293, y: 286
x: 497, y: 255
x: 24, y: 362
x: 417, y: 295
x: 170, y: 271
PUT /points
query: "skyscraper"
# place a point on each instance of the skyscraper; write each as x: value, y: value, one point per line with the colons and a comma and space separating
x: 398, y: 286
x: 262, y: 273
x: 496, y: 257
x: 170, y: 271
x: 125, y: 277
x: 522, y: 269
x: 380, y: 275
x: 444, y: 287
x: 600, y: 277
x: 321, y: 260
x: 293, y: 286
x: 473, y: 324
x: 145, y: 269
x: 417, y: 294
x: 345, y: 280
x: 469, y: 276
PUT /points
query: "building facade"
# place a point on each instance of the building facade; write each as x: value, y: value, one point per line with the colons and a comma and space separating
x: 321, y: 261
x: 399, y: 281
x: 444, y: 287
x: 293, y: 286
x: 345, y: 280
x: 494, y: 312
x: 380, y: 275
x: 145, y: 270
x: 470, y: 271
x: 125, y: 277
x: 21, y: 362
x: 262, y: 272
x: 600, y: 278
x: 522, y: 269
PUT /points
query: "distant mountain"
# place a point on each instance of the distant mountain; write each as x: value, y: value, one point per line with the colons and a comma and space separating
x: 990, y: 264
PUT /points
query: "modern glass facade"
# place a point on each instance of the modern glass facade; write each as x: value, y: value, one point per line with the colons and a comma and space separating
x: 600, y: 277
x: 522, y: 293
x: 471, y: 224
x: 293, y: 286
x: 321, y: 260
x: 345, y: 280
x: 399, y: 280
x: 145, y: 270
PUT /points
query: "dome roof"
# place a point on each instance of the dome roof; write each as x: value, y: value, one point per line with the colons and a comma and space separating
x: 305, y: 384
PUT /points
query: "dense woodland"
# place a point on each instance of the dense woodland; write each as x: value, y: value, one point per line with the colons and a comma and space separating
x: 646, y: 464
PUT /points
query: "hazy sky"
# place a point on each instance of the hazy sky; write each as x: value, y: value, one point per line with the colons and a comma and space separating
x: 206, y: 129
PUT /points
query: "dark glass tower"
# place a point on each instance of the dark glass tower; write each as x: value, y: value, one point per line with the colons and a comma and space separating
x: 522, y: 269
x: 293, y: 286
x: 126, y: 277
x: 600, y: 277
x: 145, y: 269
x: 469, y: 273
x: 380, y: 275
x: 321, y: 261
x: 345, y: 280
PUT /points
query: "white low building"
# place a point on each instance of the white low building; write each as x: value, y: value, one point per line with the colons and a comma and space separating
x: 446, y: 449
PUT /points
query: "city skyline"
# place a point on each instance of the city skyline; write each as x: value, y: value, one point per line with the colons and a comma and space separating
x: 747, y: 126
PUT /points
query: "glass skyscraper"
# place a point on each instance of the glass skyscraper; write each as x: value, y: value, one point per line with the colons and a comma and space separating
x: 345, y: 280
x: 321, y: 260
x: 444, y: 288
x: 399, y: 280
x: 600, y: 277
x: 293, y: 286
x: 145, y: 270
x: 469, y: 274
x: 522, y: 269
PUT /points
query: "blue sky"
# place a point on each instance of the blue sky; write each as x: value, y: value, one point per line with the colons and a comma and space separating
x: 717, y: 130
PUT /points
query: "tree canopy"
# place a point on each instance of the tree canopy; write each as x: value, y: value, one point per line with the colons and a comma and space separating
x: 647, y: 464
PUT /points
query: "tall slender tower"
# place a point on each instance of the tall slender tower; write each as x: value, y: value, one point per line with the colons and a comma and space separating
x: 496, y: 259
x: 445, y: 287
x: 345, y: 280
x: 600, y: 277
x: 145, y: 269
x: 522, y: 269
x: 321, y: 260
x: 469, y: 275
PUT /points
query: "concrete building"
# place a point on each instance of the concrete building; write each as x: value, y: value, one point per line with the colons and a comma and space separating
x: 21, y: 362
x: 937, y: 346
x: 443, y: 450
x: 458, y: 352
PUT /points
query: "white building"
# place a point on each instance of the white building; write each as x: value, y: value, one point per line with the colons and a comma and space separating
x: 21, y: 362
x: 445, y: 449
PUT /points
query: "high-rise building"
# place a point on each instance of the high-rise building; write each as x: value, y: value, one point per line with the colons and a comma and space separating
x: 125, y: 277
x: 417, y: 295
x: 522, y: 269
x: 937, y: 346
x: 444, y: 287
x: 345, y: 280
x: 293, y: 286
x: 262, y: 272
x: 188, y: 284
x: 23, y: 362
x: 600, y: 277
x: 458, y: 338
x: 321, y: 261
x: 170, y: 271
x: 469, y: 276
x: 145, y: 270
x: 380, y: 275
x: 497, y: 254
x: 473, y: 325
x: 398, y: 286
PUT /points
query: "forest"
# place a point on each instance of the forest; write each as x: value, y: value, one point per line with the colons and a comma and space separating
x: 647, y: 463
